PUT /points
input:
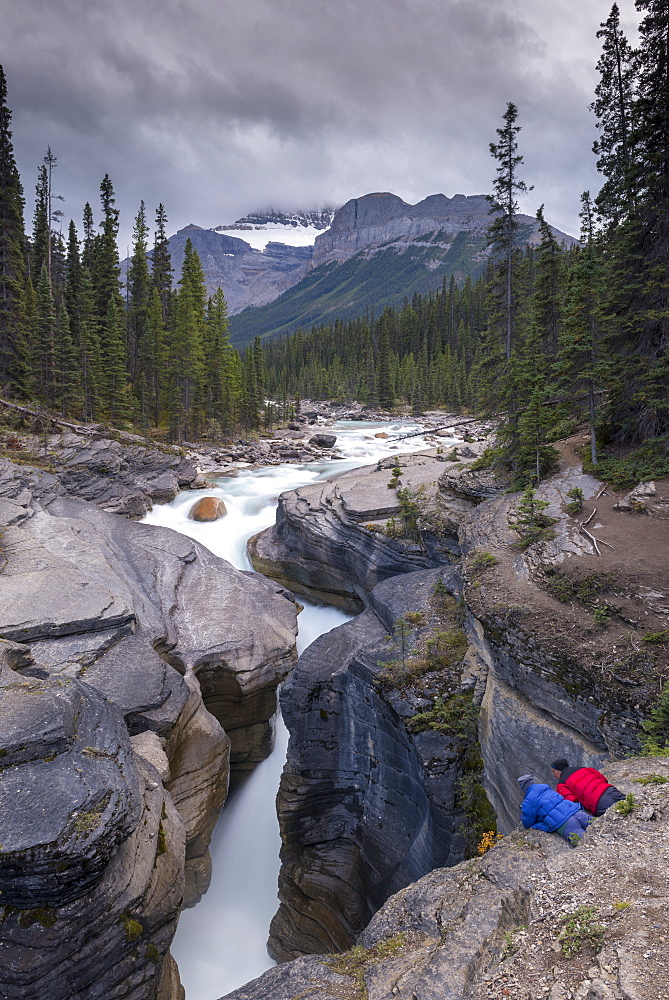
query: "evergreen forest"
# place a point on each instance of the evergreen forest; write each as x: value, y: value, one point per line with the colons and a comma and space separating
x: 546, y: 337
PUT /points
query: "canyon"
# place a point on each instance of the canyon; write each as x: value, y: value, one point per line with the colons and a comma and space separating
x: 139, y: 668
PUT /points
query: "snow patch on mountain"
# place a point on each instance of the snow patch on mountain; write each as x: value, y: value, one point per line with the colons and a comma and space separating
x: 298, y: 229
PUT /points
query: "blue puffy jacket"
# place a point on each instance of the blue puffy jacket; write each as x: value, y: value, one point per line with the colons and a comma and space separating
x: 545, y: 809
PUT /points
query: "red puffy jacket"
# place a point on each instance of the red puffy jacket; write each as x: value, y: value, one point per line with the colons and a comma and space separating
x: 585, y: 785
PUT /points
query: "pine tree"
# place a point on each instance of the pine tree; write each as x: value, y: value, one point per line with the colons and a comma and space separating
x: 115, y: 389
x: 614, y: 108
x: 384, y: 387
x: 13, y: 322
x: 45, y: 341
x: 503, y: 204
x: 105, y: 268
x: 161, y: 272
x: 66, y: 375
x: 156, y: 338
x: 636, y: 276
x: 138, y: 281
x: 88, y: 346
x: 40, y: 256
x: 187, y: 348
x: 578, y: 362
x: 548, y: 290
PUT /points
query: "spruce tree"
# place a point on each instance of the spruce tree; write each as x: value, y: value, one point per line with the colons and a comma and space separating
x: 504, y: 205
x: 105, y: 268
x: 13, y: 322
x: 548, y: 285
x: 138, y: 282
x: 187, y: 348
x: 115, y: 389
x: 614, y: 108
x: 579, y: 364
x: 156, y: 338
x: 161, y: 270
x: 384, y: 384
x: 45, y: 341
x: 39, y: 256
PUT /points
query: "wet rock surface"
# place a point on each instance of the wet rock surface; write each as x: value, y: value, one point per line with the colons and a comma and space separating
x: 208, y: 509
x: 117, y: 630
x: 121, y: 474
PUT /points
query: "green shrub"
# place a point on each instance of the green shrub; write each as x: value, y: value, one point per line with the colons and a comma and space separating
x: 562, y: 429
x: 133, y: 929
x: 581, y: 930
x: 576, y: 499
x: 650, y: 461
x: 482, y: 561
x: 530, y: 519
x: 656, y: 638
x: 651, y: 779
x: 489, y: 458
x: 600, y: 616
x: 655, y: 735
x: 456, y: 715
x: 625, y: 806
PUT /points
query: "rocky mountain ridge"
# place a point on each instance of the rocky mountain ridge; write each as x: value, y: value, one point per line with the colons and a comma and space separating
x: 378, y: 250
x: 260, y: 256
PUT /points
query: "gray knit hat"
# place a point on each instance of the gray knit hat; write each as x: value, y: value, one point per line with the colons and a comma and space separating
x: 526, y: 780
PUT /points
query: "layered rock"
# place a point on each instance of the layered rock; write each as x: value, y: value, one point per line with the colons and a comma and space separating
x: 551, y: 687
x: 92, y: 856
x: 364, y: 807
x: 329, y: 541
x: 122, y: 475
x: 159, y: 627
x: 494, y: 926
x: 546, y: 680
x: 378, y: 218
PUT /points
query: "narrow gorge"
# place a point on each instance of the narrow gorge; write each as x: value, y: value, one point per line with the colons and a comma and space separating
x: 438, y: 662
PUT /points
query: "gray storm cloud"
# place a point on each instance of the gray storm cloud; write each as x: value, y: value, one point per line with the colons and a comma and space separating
x: 220, y: 107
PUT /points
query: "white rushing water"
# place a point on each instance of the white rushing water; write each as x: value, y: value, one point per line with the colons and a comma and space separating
x: 221, y: 943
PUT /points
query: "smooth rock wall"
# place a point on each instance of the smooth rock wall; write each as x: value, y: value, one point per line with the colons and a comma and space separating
x: 364, y: 807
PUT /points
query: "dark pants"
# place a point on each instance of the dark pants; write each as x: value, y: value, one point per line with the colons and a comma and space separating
x: 607, y: 799
x: 575, y: 827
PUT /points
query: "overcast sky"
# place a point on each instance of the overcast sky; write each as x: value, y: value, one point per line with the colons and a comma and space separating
x: 222, y: 107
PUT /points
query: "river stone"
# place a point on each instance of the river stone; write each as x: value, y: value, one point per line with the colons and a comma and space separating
x: 323, y: 440
x: 208, y: 509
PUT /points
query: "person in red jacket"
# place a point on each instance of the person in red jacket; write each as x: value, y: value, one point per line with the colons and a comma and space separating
x: 585, y: 785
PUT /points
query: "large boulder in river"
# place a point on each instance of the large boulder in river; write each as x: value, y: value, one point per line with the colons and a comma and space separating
x: 207, y: 509
x: 323, y: 440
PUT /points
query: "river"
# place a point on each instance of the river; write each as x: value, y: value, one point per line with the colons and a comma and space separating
x: 220, y: 944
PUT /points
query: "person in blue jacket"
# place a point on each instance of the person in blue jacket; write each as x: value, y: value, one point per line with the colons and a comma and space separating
x: 545, y: 809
